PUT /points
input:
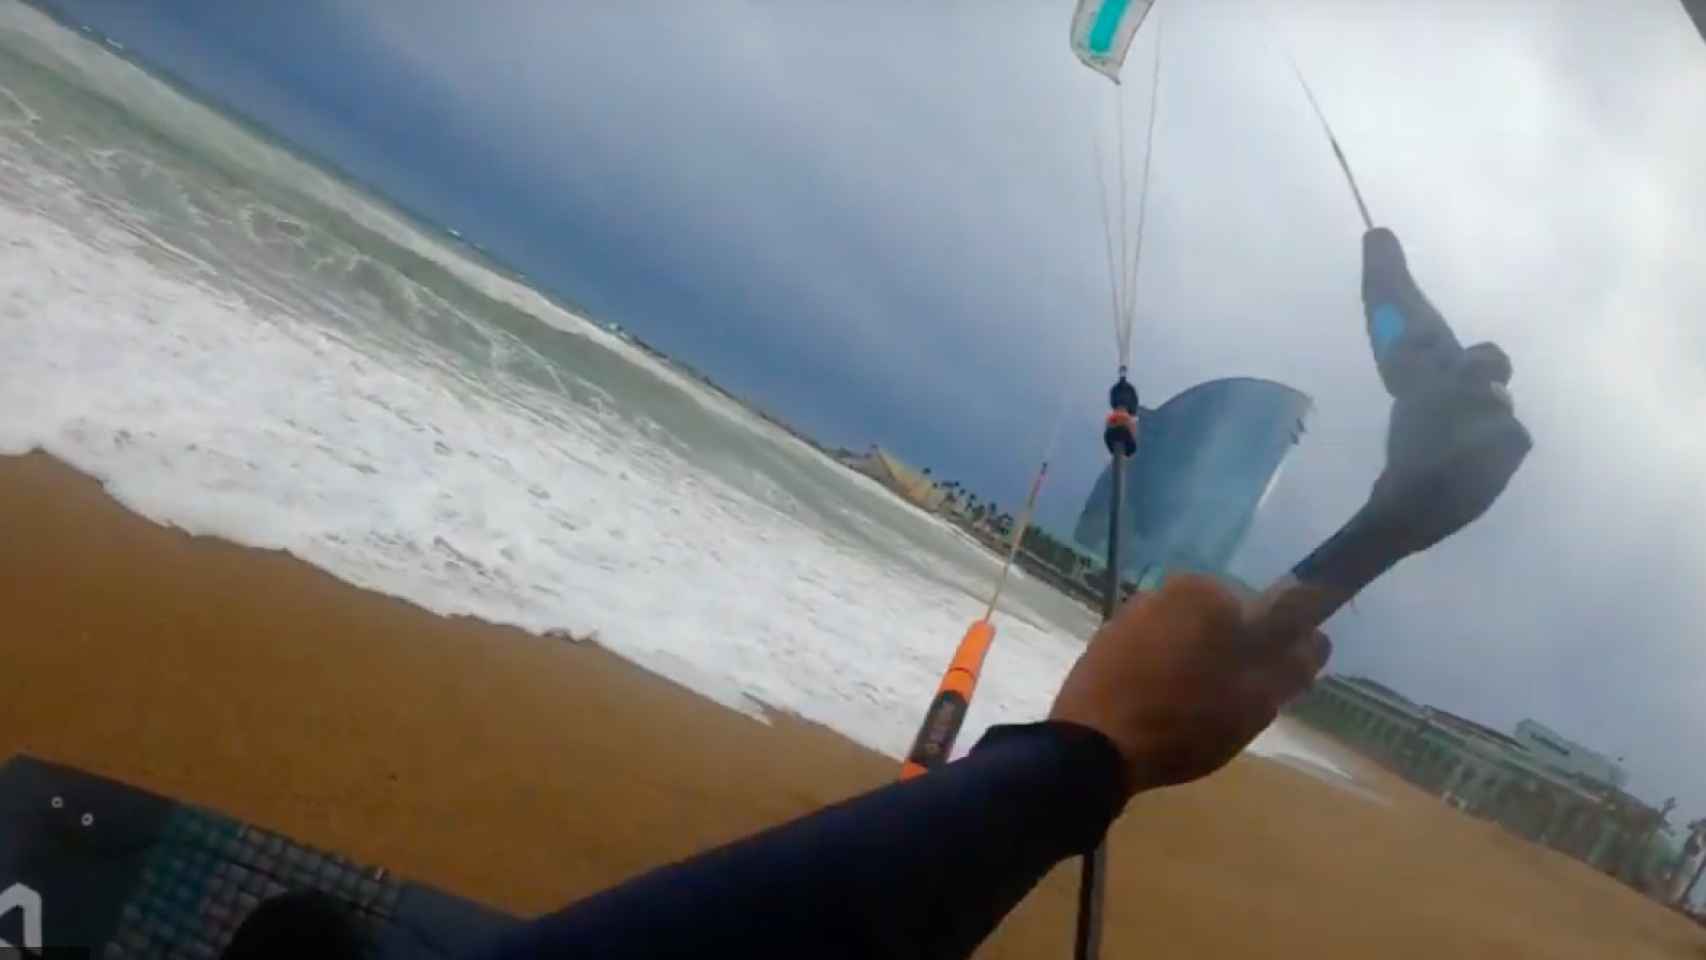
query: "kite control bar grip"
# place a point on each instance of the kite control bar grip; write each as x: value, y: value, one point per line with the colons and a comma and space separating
x: 1334, y: 572
x: 947, y: 713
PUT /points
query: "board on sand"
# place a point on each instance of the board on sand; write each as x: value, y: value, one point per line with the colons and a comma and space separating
x: 87, y: 862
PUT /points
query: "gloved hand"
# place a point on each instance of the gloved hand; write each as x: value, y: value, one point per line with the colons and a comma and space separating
x: 1413, y: 345
x: 1453, y: 442
x: 1181, y: 680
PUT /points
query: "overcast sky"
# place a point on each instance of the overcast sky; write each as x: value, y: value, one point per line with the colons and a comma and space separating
x: 880, y: 220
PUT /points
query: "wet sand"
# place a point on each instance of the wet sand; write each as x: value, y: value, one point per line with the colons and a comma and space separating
x: 526, y: 771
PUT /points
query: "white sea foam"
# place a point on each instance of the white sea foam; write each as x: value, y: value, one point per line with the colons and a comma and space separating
x: 382, y: 469
x: 195, y: 412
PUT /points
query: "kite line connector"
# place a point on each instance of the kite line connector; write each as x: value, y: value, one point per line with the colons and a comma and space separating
x: 1119, y: 432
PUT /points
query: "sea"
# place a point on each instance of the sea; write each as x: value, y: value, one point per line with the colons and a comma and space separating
x: 240, y: 343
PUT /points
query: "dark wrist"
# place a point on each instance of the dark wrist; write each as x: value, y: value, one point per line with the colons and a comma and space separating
x: 1087, y: 769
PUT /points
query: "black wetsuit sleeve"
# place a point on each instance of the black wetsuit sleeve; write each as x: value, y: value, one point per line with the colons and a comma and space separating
x: 924, y: 868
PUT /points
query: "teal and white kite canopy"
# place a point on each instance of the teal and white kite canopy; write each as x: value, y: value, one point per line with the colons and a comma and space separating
x: 1102, y: 31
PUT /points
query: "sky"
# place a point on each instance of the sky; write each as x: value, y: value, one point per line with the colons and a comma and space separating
x: 880, y: 221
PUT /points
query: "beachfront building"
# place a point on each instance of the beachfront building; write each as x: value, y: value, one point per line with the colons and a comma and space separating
x: 1691, y: 866
x: 1206, y: 459
x: 1576, y: 809
x: 1563, y: 754
x: 891, y: 471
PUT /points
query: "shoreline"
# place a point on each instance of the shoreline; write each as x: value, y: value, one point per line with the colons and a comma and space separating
x: 526, y: 771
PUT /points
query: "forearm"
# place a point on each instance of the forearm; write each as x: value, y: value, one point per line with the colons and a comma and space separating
x: 925, y: 868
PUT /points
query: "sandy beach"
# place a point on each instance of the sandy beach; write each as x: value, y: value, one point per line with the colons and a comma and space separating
x: 526, y: 771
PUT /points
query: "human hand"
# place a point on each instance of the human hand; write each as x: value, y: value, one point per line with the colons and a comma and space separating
x: 1181, y: 679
